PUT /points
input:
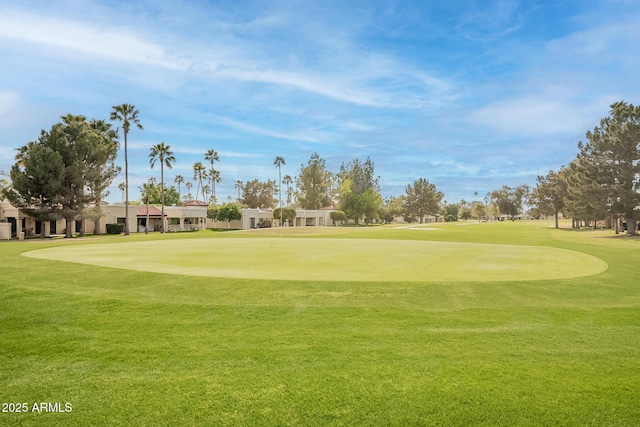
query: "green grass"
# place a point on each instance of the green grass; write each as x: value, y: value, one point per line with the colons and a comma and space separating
x: 133, y: 347
x: 334, y: 259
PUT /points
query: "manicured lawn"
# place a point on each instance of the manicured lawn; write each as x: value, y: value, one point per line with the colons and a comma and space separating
x: 335, y: 259
x: 129, y: 347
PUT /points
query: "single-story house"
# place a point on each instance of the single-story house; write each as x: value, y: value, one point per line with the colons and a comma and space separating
x: 191, y: 216
x: 263, y: 218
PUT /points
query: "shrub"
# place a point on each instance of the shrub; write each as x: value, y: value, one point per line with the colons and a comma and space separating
x: 338, y: 216
x: 115, y: 228
x: 288, y: 214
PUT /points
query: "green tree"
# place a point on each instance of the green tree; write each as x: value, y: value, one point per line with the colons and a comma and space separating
x: 212, y: 156
x: 478, y: 210
x: 259, y: 194
x: 229, y: 212
x: 101, y: 171
x: 287, y: 180
x: 392, y: 207
x: 451, y: 211
x: 127, y: 115
x: 359, y: 192
x: 312, y: 184
x: 212, y: 214
x: 549, y: 194
x: 465, y: 210
x: 145, y: 194
x: 611, y: 156
x: 239, y: 187
x: 4, y: 185
x: 67, y: 167
x: 284, y: 215
x: 338, y: 215
x: 509, y: 200
x: 188, y: 185
x: 421, y: 198
x: 179, y: 179
x: 162, y: 154
x: 369, y: 203
x: 586, y: 199
x: 36, y: 180
x: 215, y: 179
x: 199, y: 173
x: 171, y: 195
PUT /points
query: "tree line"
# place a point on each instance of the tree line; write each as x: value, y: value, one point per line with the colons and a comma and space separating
x: 70, y: 166
x: 602, y: 183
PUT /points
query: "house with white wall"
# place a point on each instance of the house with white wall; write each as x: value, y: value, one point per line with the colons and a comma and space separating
x: 191, y: 216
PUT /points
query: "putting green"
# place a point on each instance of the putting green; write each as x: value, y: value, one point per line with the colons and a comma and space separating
x: 334, y: 259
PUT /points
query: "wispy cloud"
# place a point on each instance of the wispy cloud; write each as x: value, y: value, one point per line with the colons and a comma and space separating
x: 489, y: 20
x: 119, y: 44
x: 9, y: 100
x: 310, y: 135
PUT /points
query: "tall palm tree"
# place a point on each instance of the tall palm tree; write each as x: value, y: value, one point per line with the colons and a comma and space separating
x: 278, y: 162
x: 212, y: 156
x: 199, y: 173
x: 179, y: 179
x: 215, y: 178
x: 121, y: 188
x: 145, y: 191
x: 239, y: 187
x: 188, y: 186
x: 128, y: 115
x: 163, y: 154
x: 287, y: 180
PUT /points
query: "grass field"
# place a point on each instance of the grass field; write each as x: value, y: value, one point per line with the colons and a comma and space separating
x: 452, y: 324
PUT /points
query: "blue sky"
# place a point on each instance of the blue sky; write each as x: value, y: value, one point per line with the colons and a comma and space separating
x: 470, y: 94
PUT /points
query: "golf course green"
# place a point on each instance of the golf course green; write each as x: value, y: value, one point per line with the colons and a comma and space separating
x: 335, y: 259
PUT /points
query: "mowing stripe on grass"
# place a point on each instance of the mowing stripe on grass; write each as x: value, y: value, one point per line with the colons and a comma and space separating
x: 335, y: 259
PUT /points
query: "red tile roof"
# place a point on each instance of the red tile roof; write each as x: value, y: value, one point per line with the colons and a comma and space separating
x: 153, y: 211
x: 195, y: 203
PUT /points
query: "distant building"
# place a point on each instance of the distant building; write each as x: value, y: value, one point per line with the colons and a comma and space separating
x: 191, y: 216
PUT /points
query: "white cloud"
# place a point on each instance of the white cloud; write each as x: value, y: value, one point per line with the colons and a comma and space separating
x: 309, y: 135
x: 119, y: 44
x: 9, y: 100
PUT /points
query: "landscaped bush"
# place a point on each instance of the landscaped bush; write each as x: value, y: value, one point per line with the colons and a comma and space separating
x: 338, y: 216
x: 115, y: 228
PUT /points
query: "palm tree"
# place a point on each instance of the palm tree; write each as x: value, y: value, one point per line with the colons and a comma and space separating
x: 128, y: 115
x: 121, y: 188
x: 212, y: 156
x: 239, y: 187
x: 163, y: 154
x: 145, y: 191
x: 278, y: 162
x: 215, y: 178
x: 205, y: 192
x: 179, y: 180
x: 189, y: 186
x: 287, y: 180
x: 199, y: 172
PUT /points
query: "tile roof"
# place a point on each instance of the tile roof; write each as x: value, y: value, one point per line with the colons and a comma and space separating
x: 153, y: 211
x: 195, y: 203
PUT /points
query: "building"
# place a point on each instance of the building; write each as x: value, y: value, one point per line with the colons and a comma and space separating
x: 263, y: 218
x: 191, y: 216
